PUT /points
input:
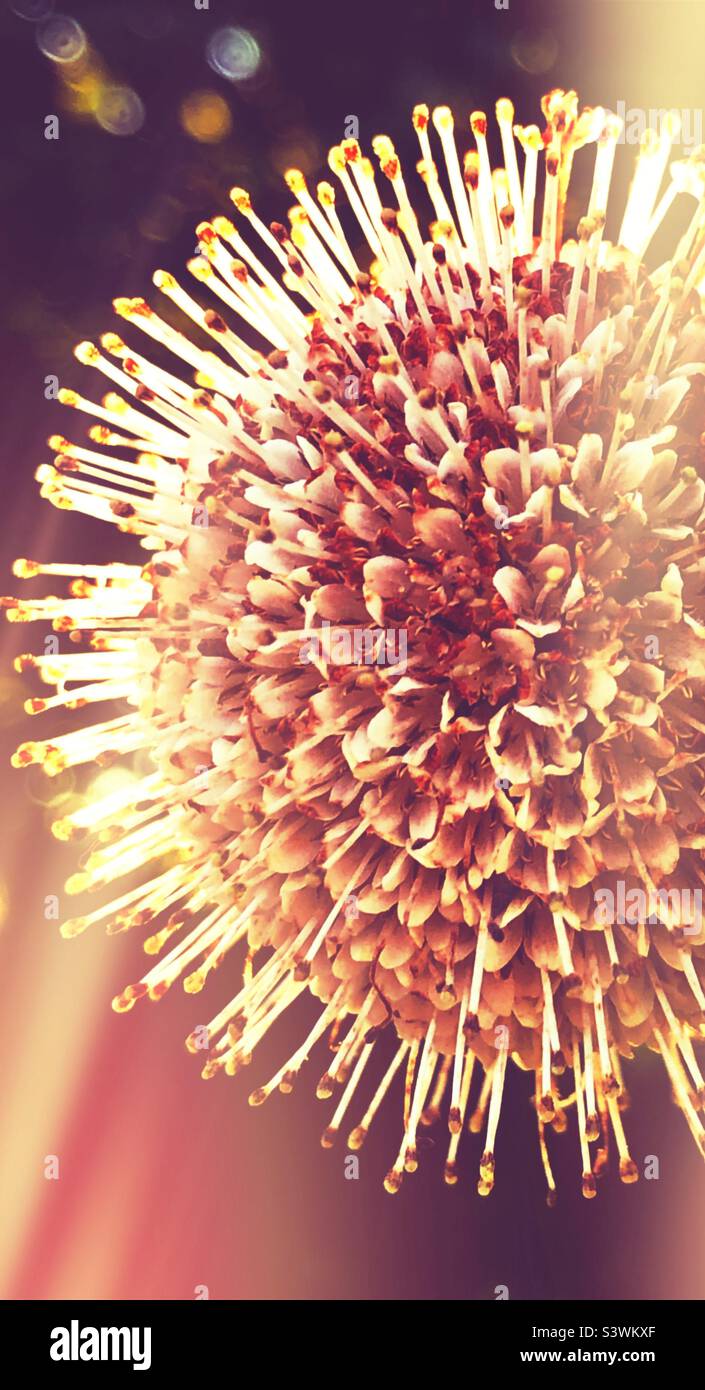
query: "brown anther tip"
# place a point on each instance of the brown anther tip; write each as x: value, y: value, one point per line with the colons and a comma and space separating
x: 589, y: 1186
x: 390, y: 219
x: 471, y: 174
x: 450, y: 1173
x: 560, y: 1121
x: 363, y: 281
x: 411, y: 1160
x: 333, y: 440
x: 324, y: 1089
x: 446, y: 994
x: 356, y: 1138
x: 487, y: 1165
x: 571, y: 982
x: 320, y: 391
x: 279, y: 232
x: 455, y: 1121
x: 388, y: 365
x: 558, y: 1063
x: 427, y: 397
x: 628, y: 1170
x: 439, y: 254
x: 302, y: 970
x: 257, y: 1097
x: 328, y: 1138
x: 592, y: 1128
x: 547, y: 1109
x: 393, y: 1181
x: 214, y: 321
x: 551, y: 1197
x: 278, y: 359
x: 286, y: 1085
x: 506, y: 216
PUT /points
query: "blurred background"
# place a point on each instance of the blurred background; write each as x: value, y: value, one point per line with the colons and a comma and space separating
x: 168, y: 1184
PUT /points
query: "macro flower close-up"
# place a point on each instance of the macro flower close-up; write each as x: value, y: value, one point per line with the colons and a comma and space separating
x: 352, y: 673
x: 485, y: 440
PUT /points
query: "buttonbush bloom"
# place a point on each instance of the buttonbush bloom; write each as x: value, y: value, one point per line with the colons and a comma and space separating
x: 477, y: 428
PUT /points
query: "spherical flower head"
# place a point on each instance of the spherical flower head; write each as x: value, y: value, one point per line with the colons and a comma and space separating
x: 417, y: 650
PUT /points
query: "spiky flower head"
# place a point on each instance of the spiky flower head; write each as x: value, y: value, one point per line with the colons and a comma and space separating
x: 418, y: 649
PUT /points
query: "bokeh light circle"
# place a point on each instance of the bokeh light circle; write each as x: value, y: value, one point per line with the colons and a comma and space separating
x: 535, y: 52
x: 52, y: 792
x: 233, y: 53
x: 120, y: 111
x: 297, y: 150
x: 61, y: 38
x: 205, y: 116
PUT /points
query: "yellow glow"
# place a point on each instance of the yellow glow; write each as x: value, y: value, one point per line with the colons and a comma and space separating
x: 205, y: 116
x: 112, y: 779
x: 298, y: 153
x: 83, y: 94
